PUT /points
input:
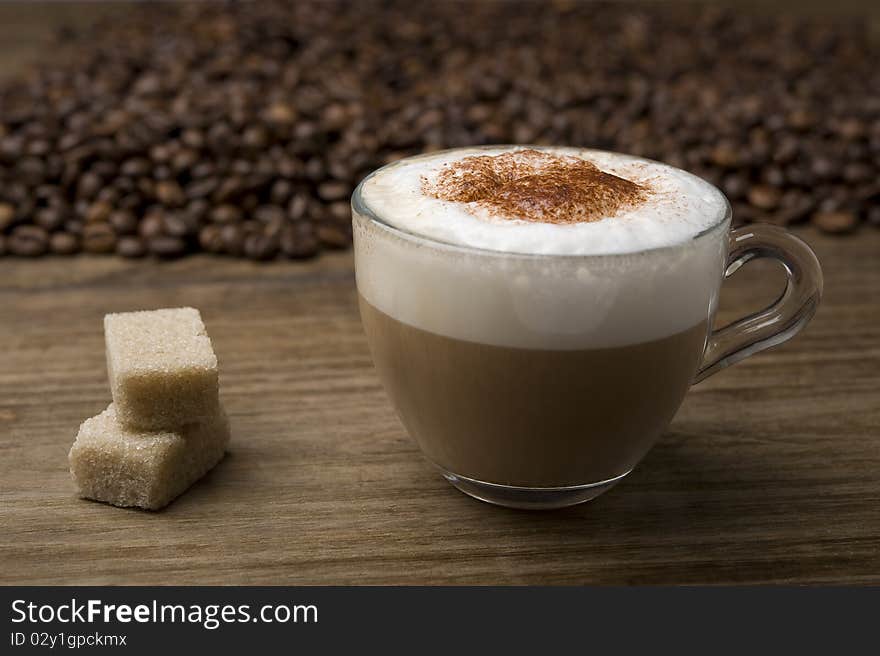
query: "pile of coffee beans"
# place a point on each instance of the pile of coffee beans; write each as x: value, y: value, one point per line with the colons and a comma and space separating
x: 241, y: 129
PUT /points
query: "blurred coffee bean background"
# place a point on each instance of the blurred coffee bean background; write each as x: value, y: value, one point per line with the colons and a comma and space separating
x: 241, y: 128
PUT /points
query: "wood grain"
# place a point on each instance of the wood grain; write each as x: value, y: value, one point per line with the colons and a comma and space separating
x: 769, y: 473
x: 28, y: 29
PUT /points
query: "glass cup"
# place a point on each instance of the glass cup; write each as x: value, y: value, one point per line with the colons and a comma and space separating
x: 540, y: 381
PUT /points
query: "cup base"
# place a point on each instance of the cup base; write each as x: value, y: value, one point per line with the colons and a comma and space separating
x: 530, y: 498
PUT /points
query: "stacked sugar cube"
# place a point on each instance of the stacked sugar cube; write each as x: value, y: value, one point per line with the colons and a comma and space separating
x: 165, y: 428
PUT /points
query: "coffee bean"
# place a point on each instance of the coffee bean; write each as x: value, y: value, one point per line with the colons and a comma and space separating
x: 201, y: 188
x: 851, y: 129
x: 161, y: 153
x: 88, y: 186
x: 280, y: 112
x: 98, y: 212
x: 11, y: 147
x: 340, y: 169
x: 136, y: 167
x: 249, y: 203
x: 280, y: 192
x: 107, y: 195
x: 31, y: 170
x: 211, y: 239
x: 274, y: 227
x: 197, y: 210
x: 193, y: 138
x: 129, y: 202
x: 298, y: 206
x: 73, y: 226
x: 98, y: 238
x: 63, y: 243
x: 299, y: 241
x: 786, y: 151
x: 38, y: 147
x: 726, y: 155
x: 764, y: 197
x: 48, y: 194
x: 131, y: 247
x: 333, y: 236
x: 797, y: 205
x: 24, y: 210
x: 314, y: 169
x: 340, y: 212
x: 856, y: 172
x: 334, y: 117
x: 7, y: 215
x: 269, y: 213
x: 50, y: 218
x: 28, y: 241
x: 251, y: 226
x: 183, y: 115
x: 146, y: 187
x: 232, y: 236
x: 255, y: 137
x: 799, y: 175
x: 835, y: 222
x: 166, y: 247
x: 226, y: 214
x: 801, y: 119
x: 288, y: 167
x: 773, y: 176
x: 179, y: 224
x: 735, y: 186
x: 258, y: 246
x: 184, y: 160
x: 170, y: 194
x: 203, y: 169
x: 823, y: 168
x: 124, y: 222
x: 228, y: 189
x: 331, y: 191
x: 152, y: 225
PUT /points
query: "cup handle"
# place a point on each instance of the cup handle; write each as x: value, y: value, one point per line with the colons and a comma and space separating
x: 780, y: 321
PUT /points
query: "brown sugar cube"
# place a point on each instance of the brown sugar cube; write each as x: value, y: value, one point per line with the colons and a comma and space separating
x: 127, y: 467
x: 162, y: 368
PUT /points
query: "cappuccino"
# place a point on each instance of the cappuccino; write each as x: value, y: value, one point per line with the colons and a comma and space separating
x: 537, y: 315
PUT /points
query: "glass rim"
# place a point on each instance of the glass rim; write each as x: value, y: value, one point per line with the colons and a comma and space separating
x: 360, y: 208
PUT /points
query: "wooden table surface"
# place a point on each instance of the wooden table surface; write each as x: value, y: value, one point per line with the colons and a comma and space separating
x: 769, y: 473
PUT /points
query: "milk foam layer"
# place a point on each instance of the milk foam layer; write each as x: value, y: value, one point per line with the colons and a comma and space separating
x: 679, y: 206
x: 535, y: 300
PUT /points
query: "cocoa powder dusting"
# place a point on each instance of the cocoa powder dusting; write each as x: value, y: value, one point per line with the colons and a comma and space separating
x: 535, y: 186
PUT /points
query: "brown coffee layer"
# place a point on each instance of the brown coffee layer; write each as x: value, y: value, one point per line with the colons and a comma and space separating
x: 531, y: 417
x: 536, y: 186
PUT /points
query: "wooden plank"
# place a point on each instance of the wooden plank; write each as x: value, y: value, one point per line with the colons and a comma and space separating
x: 28, y: 29
x: 768, y: 473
